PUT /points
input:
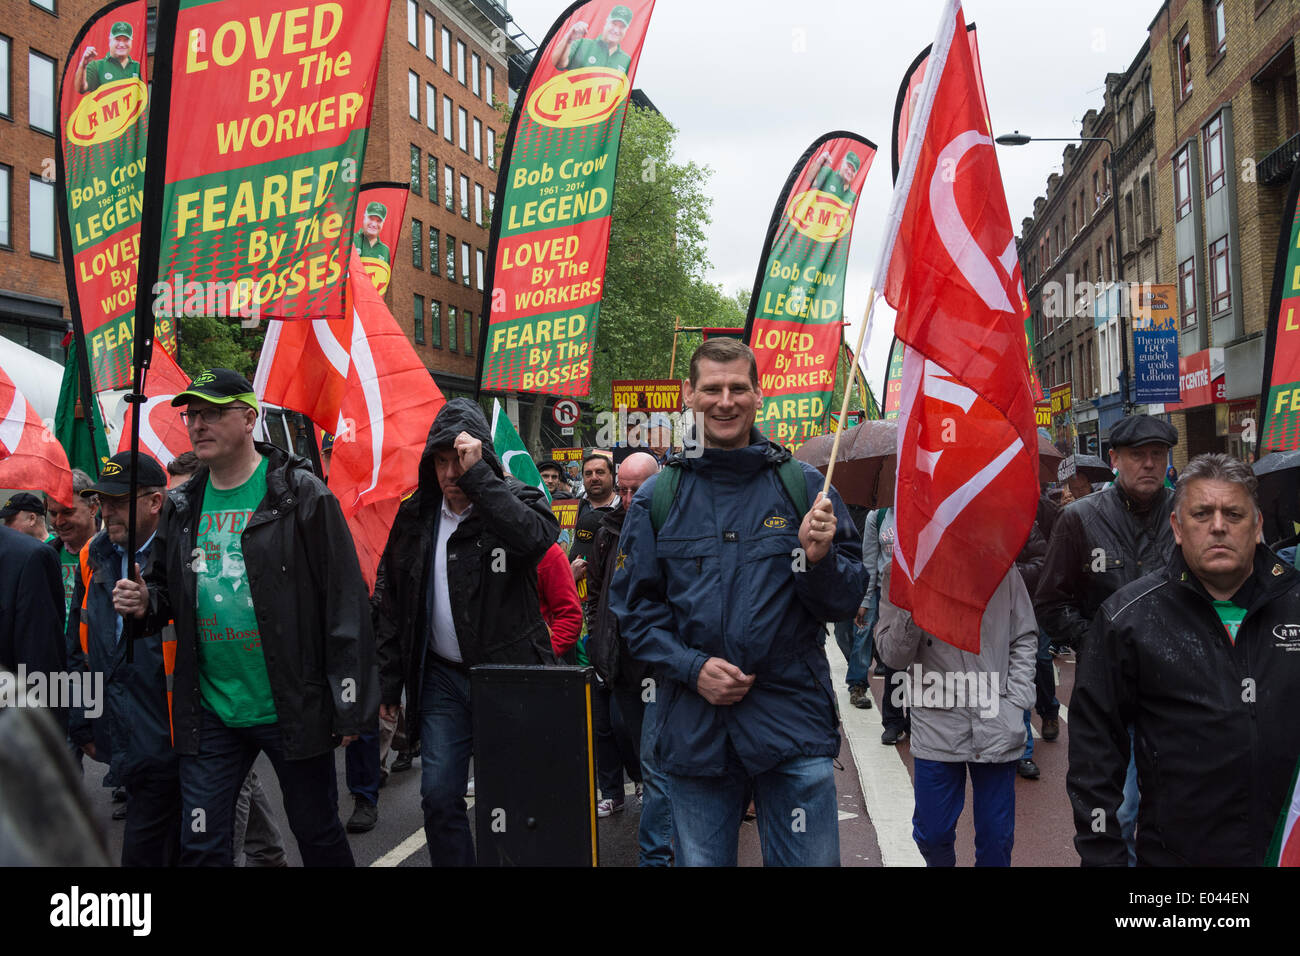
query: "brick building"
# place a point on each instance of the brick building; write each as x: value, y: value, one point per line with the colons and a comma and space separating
x: 1226, y: 129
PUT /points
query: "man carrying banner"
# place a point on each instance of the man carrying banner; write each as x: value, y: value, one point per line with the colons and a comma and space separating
x: 283, y: 663
x: 116, y: 65
x: 724, y: 581
x: 366, y: 240
x: 604, y: 50
x: 1188, y: 668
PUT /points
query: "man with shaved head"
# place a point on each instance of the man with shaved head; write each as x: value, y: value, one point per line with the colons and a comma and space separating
x: 632, y: 681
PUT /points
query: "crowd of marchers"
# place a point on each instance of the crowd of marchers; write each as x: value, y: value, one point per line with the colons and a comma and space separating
x: 242, y: 625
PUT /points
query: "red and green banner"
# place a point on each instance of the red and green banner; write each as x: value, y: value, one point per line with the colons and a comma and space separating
x: 1280, y: 418
x: 796, y: 313
x: 102, y: 140
x: 894, y: 381
x: 646, y: 395
x: 380, y: 220
x: 910, y: 90
x: 550, y: 230
x: 269, y: 107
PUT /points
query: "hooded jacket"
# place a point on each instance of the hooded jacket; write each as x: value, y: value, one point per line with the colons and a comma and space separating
x: 1099, y: 544
x: 1213, y: 720
x: 492, y: 559
x: 723, y: 578
x: 309, y: 596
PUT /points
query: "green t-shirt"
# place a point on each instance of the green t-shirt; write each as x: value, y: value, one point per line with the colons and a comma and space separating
x: 367, y: 250
x: 232, y: 668
x: 830, y: 181
x: 68, y: 565
x: 588, y: 52
x: 108, y: 70
x: 1231, y: 616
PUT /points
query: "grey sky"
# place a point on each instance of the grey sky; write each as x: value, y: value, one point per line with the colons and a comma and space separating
x: 750, y: 84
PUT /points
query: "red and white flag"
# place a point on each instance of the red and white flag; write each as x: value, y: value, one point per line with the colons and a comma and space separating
x: 162, y: 433
x: 966, y: 442
x: 31, y: 458
x: 304, y: 367
x: 390, y: 403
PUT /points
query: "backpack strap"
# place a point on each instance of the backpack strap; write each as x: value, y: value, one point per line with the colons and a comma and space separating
x: 796, y: 486
x: 663, y: 494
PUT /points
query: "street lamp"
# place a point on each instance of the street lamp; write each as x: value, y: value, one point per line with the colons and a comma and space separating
x: 1018, y: 138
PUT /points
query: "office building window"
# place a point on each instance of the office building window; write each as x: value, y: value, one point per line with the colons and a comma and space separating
x: 1218, y: 27
x: 1182, y: 183
x: 433, y: 179
x: 1215, y: 175
x: 488, y: 76
x: 451, y: 328
x: 1185, y: 65
x: 6, y: 77
x: 478, y: 204
x: 1220, y: 280
x: 40, y: 198
x: 431, y: 106
x: 491, y: 148
x: 40, y: 91
x: 413, y: 94
x: 475, y: 68
x: 451, y: 258
x: 468, y: 341
x: 461, y: 127
x: 464, y: 263
x: 478, y: 139
x: 415, y: 169
x: 448, y: 187
x: 419, y: 320
x: 1187, y: 292
x: 46, y: 5
x: 464, y: 197
x: 6, y: 206
x: 417, y: 244
x: 446, y: 49
x: 478, y: 269
x: 460, y: 62
x: 435, y: 323
x: 428, y: 37
x: 413, y: 23
x: 492, y: 203
x: 447, y: 131
x: 435, y: 258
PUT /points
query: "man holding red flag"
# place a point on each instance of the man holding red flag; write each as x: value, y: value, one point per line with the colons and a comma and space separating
x: 966, y: 426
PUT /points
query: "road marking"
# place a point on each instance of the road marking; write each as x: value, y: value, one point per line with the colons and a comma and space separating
x: 409, y: 846
x: 845, y: 815
x: 886, y: 784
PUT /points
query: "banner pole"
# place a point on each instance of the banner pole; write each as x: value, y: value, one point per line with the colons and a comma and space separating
x: 672, y: 361
x: 848, y: 390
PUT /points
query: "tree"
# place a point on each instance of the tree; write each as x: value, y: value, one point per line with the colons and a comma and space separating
x: 210, y: 342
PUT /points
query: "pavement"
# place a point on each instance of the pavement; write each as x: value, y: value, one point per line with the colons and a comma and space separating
x: 873, y: 783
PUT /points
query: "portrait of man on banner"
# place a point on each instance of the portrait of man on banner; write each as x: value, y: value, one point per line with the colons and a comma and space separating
x: 579, y: 50
x: 115, y: 65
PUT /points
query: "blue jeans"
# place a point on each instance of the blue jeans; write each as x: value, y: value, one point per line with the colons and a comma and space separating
x: 798, y: 815
x: 940, y: 796
x: 1127, y: 813
x: 210, y: 784
x: 446, y: 744
x: 655, y: 832
x: 361, y: 762
x: 1045, y: 679
x: 856, y: 644
x: 1029, y: 739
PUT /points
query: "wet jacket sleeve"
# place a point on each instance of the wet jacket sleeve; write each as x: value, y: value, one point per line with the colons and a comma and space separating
x: 519, y: 516
x: 832, y: 589
x: 559, y: 597
x: 349, y: 641
x: 38, y: 614
x: 870, y: 554
x: 1059, y: 597
x: 156, y: 575
x: 637, y: 597
x: 1023, y: 653
x: 1102, y: 707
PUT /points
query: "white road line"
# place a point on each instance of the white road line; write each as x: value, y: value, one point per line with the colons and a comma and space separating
x: 846, y: 815
x: 409, y: 846
x: 886, y: 785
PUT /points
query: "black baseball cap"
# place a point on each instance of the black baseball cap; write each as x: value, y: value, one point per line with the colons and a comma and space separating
x: 115, y: 479
x: 23, y: 501
x: 1141, y: 430
x: 220, y: 386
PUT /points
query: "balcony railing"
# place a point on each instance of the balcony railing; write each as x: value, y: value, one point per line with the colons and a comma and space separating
x: 1275, y: 168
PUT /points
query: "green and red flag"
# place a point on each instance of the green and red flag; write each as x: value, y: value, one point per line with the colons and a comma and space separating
x: 381, y: 217
x: 101, y: 145
x: 550, y: 229
x: 894, y: 381
x: 1284, y: 850
x: 1280, y: 419
x: 796, y: 313
x: 268, y: 108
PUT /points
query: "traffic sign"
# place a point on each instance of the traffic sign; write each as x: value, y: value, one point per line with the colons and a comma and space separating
x: 565, y: 412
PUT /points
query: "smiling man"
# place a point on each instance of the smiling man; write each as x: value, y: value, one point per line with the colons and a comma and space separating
x: 116, y: 64
x: 579, y: 50
x: 1202, y: 661
x: 724, y: 580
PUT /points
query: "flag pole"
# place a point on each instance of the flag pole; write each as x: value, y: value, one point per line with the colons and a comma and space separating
x: 848, y: 390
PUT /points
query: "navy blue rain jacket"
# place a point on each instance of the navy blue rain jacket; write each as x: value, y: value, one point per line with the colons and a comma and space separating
x: 720, y: 581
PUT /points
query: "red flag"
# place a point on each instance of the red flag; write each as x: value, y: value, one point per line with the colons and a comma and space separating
x: 391, y: 401
x: 304, y: 367
x: 162, y: 433
x: 966, y: 424
x: 31, y: 458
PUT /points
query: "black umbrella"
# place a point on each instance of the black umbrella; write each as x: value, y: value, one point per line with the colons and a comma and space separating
x: 1279, y: 494
x: 1093, y: 468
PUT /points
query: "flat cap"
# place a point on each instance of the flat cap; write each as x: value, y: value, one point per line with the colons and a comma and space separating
x: 1140, y: 430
